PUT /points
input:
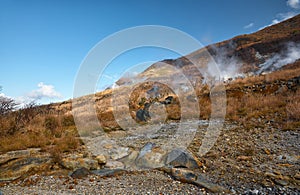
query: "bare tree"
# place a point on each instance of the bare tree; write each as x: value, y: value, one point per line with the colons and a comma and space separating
x: 28, y: 112
x: 6, y: 104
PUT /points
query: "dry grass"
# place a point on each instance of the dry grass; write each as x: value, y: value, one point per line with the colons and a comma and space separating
x: 254, y: 106
x: 23, y: 141
x: 293, y: 106
x: 42, y: 131
x: 65, y: 143
x: 54, y: 128
x: 277, y: 75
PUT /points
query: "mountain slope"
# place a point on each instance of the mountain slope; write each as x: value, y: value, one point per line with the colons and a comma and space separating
x: 243, y: 53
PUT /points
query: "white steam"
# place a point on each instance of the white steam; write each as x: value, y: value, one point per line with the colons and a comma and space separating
x: 223, y: 66
x: 289, y: 55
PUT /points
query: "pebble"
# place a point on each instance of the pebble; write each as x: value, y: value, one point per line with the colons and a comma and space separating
x: 152, y: 182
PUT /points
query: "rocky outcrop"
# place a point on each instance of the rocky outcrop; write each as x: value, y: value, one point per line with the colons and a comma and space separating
x: 180, y: 164
x: 21, y: 163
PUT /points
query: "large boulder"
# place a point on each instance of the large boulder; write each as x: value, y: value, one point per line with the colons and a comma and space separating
x: 152, y: 156
x: 103, y: 145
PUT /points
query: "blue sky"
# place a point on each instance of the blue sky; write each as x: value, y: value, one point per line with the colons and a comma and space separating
x: 43, y: 42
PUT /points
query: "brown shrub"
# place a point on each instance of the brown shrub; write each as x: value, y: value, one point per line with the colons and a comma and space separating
x: 66, y: 143
x: 23, y: 141
x: 51, y: 123
x: 293, y: 106
x: 68, y: 121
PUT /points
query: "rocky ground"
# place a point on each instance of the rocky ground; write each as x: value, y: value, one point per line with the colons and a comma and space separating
x: 147, y: 182
x: 258, y: 160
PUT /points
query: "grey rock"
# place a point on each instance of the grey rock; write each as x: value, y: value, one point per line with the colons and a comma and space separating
x: 142, y: 115
x: 108, y: 172
x: 181, y: 158
x: 129, y: 161
x: 147, y: 148
x: 281, y: 182
x: 188, y: 176
x: 120, y: 152
x: 80, y: 173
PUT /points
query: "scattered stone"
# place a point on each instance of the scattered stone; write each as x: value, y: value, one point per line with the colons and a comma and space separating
x: 268, y: 174
x: 254, y: 192
x: 108, y: 146
x: 119, y: 152
x: 297, y: 176
x: 101, y: 159
x: 267, y: 151
x: 114, y: 165
x: 281, y: 182
x: 244, y: 158
x: 80, y: 173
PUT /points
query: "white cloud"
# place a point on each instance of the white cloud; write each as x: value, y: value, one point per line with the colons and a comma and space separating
x: 293, y: 3
x: 281, y: 17
x: 284, y: 16
x: 249, y: 25
x: 44, y: 94
x: 44, y: 91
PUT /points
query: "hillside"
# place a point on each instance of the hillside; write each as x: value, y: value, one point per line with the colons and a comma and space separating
x: 146, y: 118
x: 246, y: 52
